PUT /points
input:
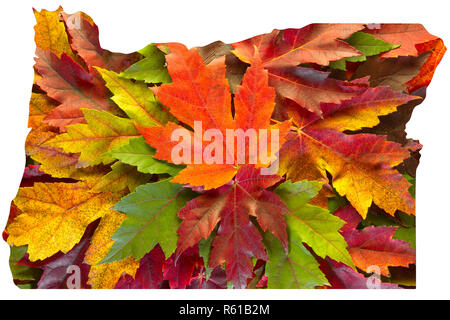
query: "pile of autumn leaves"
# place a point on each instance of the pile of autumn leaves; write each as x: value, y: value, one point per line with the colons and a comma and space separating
x: 100, y: 198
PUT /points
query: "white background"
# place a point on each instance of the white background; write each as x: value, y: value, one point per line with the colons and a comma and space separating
x: 126, y: 26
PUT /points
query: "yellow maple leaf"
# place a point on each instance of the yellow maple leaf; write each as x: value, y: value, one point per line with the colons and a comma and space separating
x: 105, y: 276
x: 54, y: 161
x: 102, y: 133
x: 362, y: 166
x: 50, y: 33
x: 54, y: 216
x: 135, y: 99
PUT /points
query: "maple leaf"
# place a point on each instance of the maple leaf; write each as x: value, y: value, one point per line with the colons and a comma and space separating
x: 296, y: 270
x: 84, y: 39
x: 360, y: 164
x: 237, y: 240
x: 188, y: 71
x: 310, y: 224
x: 367, y: 45
x: 135, y: 99
x: 151, y: 69
x: 102, y: 133
x: 54, y: 161
x: 363, y: 111
x: 374, y: 246
x: 149, y: 274
x: 138, y: 153
x: 210, y: 103
x: 56, y: 273
x: 406, y: 35
x: 318, y: 43
x: 282, y: 51
x: 393, y: 127
x: 50, y: 33
x: 151, y: 218
x: 426, y: 73
x: 309, y: 88
x: 68, y: 83
x: 32, y: 174
x: 106, y: 276
x: 54, y: 216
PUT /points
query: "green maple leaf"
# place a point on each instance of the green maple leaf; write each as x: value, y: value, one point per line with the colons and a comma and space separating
x: 151, y: 69
x: 313, y: 225
x: 367, y: 44
x: 296, y: 270
x: 151, y: 218
x: 140, y: 154
x: 136, y: 99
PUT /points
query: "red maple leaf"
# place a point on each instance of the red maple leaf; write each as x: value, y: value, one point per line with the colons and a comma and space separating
x: 282, y: 51
x: 149, y: 273
x: 200, y: 93
x: 374, y: 245
x: 237, y: 240
x: 84, y: 39
x: 74, y: 88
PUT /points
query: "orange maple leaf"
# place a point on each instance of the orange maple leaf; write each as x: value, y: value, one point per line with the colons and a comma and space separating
x: 361, y: 164
x: 426, y: 73
x: 282, y: 51
x: 406, y: 35
x: 200, y: 92
x: 374, y: 245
